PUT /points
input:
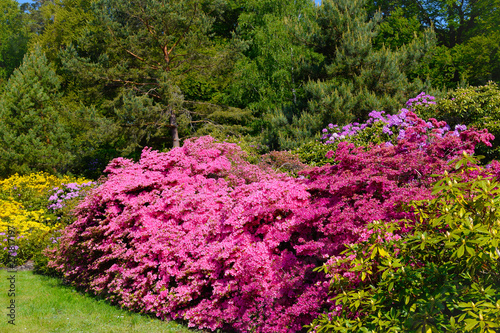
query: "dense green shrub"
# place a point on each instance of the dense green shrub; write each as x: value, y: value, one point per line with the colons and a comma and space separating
x: 443, y: 277
x: 314, y: 152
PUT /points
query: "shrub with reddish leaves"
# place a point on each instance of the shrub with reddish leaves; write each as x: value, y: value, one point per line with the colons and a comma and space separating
x: 200, y: 234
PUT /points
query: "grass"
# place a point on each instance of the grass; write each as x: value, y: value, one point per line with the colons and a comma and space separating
x: 45, y: 304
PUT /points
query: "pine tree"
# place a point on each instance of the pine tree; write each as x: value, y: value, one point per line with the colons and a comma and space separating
x: 358, y: 76
x: 159, y: 67
x: 32, y: 135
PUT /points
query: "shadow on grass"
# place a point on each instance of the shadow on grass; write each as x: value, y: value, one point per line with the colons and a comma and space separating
x: 57, y: 281
x: 48, y: 304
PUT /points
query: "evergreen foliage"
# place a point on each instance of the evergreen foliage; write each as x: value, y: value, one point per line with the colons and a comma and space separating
x: 357, y: 77
x: 274, y: 73
x: 33, y: 134
x: 157, y: 65
x: 14, y: 38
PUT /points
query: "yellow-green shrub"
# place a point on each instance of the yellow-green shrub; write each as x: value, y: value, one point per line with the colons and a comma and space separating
x: 23, y: 206
x: 477, y: 107
x: 32, y: 190
x: 32, y: 228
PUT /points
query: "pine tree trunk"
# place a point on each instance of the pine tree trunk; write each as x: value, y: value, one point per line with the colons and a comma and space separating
x: 174, y: 131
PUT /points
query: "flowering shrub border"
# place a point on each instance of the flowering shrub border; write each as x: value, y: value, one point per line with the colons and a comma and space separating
x: 24, y: 202
x: 200, y: 234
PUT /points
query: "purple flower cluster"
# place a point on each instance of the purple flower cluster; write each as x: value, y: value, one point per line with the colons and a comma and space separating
x: 12, y: 249
x: 341, y: 133
x: 54, y: 240
x: 421, y: 99
x: 67, y: 192
x: 393, y: 126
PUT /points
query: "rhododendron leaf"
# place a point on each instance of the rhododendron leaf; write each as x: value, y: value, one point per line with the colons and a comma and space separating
x: 460, y: 251
x: 382, y: 252
x: 459, y: 164
x: 470, y: 324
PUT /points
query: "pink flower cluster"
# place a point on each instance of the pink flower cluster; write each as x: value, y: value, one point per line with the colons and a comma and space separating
x: 200, y: 234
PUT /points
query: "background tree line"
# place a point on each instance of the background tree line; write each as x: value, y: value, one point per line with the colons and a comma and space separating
x: 83, y: 81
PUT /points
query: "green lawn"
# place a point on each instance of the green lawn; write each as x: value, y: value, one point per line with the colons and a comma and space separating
x: 44, y: 304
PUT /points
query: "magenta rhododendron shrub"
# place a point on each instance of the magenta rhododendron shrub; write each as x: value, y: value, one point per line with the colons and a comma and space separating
x: 200, y: 234
x: 372, y: 184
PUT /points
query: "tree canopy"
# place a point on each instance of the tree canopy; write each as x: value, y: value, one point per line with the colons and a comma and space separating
x: 269, y: 73
x: 13, y: 37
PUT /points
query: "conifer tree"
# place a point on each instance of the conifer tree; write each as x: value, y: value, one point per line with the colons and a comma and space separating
x: 357, y: 76
x: 159, y: 68
x: 32, y: 134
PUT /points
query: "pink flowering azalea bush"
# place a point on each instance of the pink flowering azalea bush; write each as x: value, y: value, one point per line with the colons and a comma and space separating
x: 202, y: 235
x: 372, y: 183
x: 199, y: 234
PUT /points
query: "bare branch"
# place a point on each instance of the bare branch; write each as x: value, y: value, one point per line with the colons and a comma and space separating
x: 131, y: 82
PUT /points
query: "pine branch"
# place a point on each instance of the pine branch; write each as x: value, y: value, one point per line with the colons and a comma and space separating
x: 131, y: 53
x: 131, y: 82
x: 167, y: 52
